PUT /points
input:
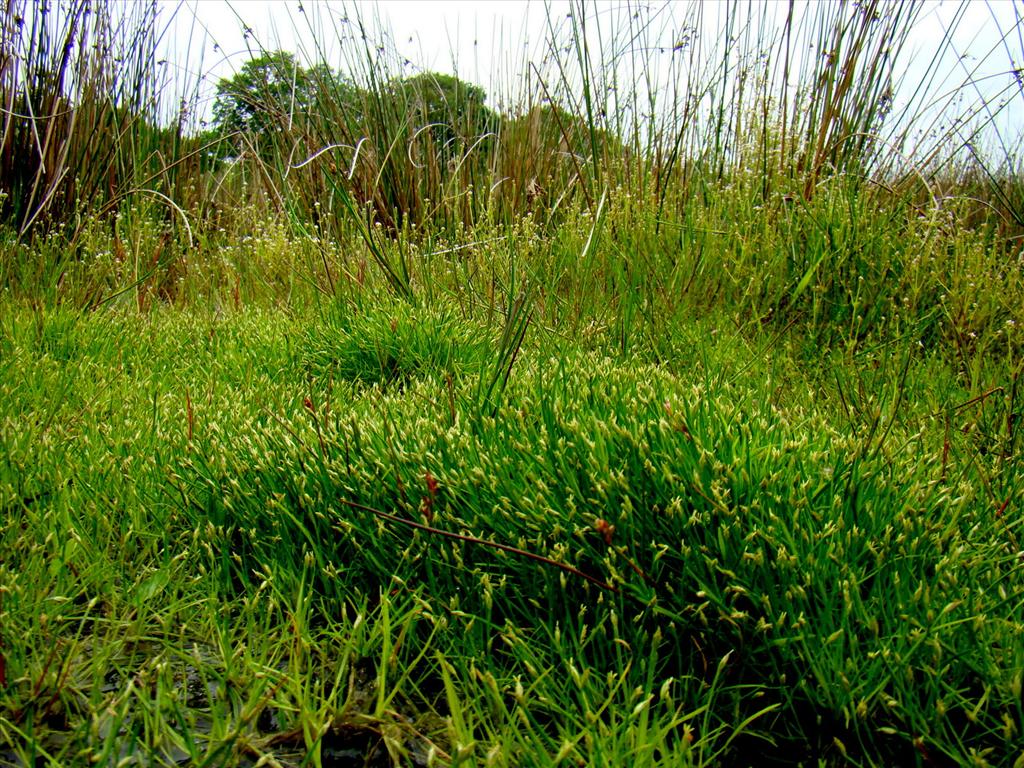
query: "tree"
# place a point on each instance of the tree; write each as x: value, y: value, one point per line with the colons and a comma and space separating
x: 455, y: 109
x: 273, y: 93
x: 263, y: 95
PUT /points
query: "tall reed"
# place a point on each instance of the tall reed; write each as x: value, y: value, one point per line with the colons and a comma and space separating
x: 84, y: 127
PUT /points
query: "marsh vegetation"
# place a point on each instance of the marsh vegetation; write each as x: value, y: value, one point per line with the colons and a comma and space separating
x: 659, y: 407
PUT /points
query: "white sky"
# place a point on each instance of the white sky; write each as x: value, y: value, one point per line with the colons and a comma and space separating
x: 485, y: 41
x: 436, y: 36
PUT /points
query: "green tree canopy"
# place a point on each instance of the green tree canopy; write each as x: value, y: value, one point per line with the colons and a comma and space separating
x: 273, y: 94
x: 454, y: 108
x: 446, y: 99
x: 261, y: 96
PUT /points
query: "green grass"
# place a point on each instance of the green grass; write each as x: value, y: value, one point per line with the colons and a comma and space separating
x: 185, y: 570
x: 580, y: 440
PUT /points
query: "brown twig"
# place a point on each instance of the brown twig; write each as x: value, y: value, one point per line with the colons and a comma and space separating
x: 482, y: 542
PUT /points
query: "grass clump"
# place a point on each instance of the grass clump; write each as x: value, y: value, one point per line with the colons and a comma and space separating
x: 392, y: 342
